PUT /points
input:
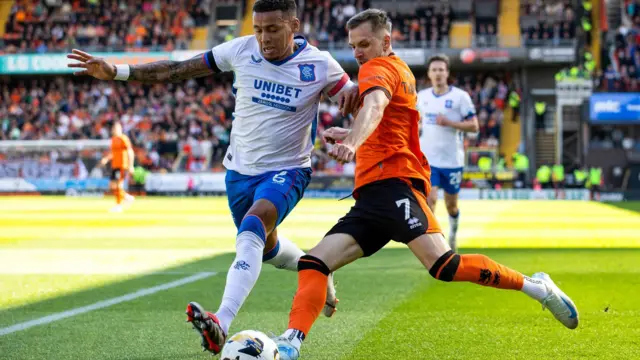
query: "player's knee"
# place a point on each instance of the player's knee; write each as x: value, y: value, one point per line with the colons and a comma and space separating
x: 446, y: 266
x: 253, y: 224
x: 272, y: 246
x: 267, y: 212
x: 310, y: 262
x: 452, y: 209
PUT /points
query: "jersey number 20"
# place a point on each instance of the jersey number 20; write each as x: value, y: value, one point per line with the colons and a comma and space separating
x: 455, y: 178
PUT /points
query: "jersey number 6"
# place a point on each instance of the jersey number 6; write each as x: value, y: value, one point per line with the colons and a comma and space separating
x: 279, y: 177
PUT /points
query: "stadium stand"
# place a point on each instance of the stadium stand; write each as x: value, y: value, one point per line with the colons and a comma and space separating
x: 109, y: 25
x: 163, y: 121
x: 542, y: 21
x: 323, y: 21
x: 620, y: 71
x: 486, y: 24
x: 186, y: 126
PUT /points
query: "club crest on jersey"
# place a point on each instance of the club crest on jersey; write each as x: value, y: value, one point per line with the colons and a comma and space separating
x: 307, y: 72
x: 448, y: 104
x: 255, y: 59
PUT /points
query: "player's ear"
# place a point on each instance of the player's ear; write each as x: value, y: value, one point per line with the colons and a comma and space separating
x: 386, y: 44
x: 295, y: 25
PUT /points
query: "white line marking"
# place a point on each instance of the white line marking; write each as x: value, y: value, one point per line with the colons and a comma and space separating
x: 38, y: 261
x: 103, y: 304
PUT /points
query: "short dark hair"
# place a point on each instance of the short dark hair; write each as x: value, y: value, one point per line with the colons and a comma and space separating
x: 439, y: 57
x: 286, y: 6
x: 376, y: 17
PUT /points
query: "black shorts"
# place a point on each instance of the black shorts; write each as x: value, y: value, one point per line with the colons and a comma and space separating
x: 117, y: 174
x: 385, y: 210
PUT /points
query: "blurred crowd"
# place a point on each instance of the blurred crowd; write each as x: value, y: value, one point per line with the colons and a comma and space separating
x: 618, y: 137
x: 553, y: 20
x: 109, y: 25
x: 324, y: 21
x: 489, y: 93
x: 187, y: 126
x: 622, y: 71
x: 162, y: 120
x: 193, y: 119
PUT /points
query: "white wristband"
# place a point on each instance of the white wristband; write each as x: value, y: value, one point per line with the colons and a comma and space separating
x: 122, y: 72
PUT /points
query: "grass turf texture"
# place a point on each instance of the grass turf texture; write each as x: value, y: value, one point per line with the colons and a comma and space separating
x: 59, y: 253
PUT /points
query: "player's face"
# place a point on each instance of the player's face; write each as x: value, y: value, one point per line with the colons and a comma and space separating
x: 367, y: 44
x: 438, y: 73
x: 274, y: 31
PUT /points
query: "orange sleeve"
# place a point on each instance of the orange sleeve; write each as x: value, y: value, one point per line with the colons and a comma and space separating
x: 126, y: 142
x: 377, y: 75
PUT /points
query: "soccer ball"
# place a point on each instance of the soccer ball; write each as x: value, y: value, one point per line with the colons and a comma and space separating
x: 250, y: 345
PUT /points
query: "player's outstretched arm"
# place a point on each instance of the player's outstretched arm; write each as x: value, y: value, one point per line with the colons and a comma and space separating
x: 364, y: 125
x: 155, y: 72
x: 368, y: 118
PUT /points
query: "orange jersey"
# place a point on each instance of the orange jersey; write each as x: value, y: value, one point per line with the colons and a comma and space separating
x: 393, y: 149
x: 119, y: 150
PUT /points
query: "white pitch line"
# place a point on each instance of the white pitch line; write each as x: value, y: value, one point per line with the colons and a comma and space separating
x: 104, y: 304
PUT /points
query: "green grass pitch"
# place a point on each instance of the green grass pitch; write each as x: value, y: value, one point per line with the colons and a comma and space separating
x: 64, y: 254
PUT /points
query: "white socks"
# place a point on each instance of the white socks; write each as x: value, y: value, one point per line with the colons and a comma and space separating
x: 245, y: 270
x: 286, y: 256
x: 241, y: 278
x: 295, y: 337
x: 534, y: 288
x: 453, y: 231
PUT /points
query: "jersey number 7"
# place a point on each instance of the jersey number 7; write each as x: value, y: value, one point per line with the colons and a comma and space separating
x: 407, y: 209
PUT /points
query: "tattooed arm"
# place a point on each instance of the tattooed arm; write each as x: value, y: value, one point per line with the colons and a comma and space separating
x: 170, y: 71
x: 155, y: 72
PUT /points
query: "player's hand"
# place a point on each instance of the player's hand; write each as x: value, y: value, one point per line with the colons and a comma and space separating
x: 131, y: 170
x: 96, y: 67
x: 442, y: 120
x: 348, y: 102
x: 333, y: 134
x: 342, y: 153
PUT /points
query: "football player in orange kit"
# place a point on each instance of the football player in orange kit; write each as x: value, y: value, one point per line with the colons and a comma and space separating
x: 122, y: 158
x: 392, y: 183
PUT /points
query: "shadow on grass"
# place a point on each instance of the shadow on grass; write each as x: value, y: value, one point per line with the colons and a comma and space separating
x: 633, y: 206
x: 152, y: 327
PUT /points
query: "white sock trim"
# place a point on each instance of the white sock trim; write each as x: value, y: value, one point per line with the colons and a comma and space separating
x: 535, y: 288
x: 296, y: 337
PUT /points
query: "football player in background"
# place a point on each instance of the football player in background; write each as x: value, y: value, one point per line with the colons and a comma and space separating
x: 447, y: 112
x: 122, y: 158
